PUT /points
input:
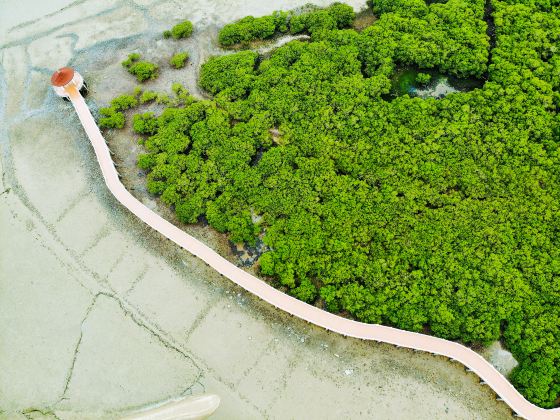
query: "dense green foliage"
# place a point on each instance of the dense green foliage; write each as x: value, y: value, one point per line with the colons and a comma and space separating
x: 179, y: 60
x: 148, y: 96
x: 123, y: 102
x: 337, y: 15
x: 450, y: 36
x: 143, y: 70
x: 249, y: 28
x: 179, y: 31
x: 430, y: 215
x: 423, y: 78
x: 111, y: 118
x: 145, y: 123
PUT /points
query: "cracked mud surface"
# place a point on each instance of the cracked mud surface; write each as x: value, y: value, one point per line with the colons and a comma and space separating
x: 100, y: 315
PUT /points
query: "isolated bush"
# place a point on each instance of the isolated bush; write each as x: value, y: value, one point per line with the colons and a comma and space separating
x: 179, y: 60
x: 179, y: 90
x: 143, y: 70
x: 167, y: 34
x: 158, y: 97
x: 182, y: 30
x: 182, y: 95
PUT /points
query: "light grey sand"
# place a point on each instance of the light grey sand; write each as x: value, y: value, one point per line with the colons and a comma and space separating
x: 100, y: 315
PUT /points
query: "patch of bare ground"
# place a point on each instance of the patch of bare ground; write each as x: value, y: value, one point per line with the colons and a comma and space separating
x: 364, y: 19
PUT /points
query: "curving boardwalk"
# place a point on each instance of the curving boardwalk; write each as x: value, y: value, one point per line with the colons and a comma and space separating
x: 473, y: 361
x: 196, y: 407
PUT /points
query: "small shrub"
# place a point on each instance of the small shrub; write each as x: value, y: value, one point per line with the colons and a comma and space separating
x: 107, y: 111
x: 179, y: 60
x: 167, y: 34
x: 122, y: 102
x: 148, y: 96
x: 132, y: 58
x: 145, y: 123
x: 182, y: 30
x: 423, y: 78
x: 144, y: 70
x: 178, y: 89
x: 111, y: 118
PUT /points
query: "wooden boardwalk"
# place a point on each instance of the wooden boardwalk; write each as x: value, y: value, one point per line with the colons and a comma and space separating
x: 472, y: 360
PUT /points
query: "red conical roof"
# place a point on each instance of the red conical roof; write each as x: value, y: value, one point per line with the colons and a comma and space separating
x: 62, y: 76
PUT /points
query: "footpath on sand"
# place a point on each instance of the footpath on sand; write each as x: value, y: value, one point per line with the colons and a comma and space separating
x: 472, y: 360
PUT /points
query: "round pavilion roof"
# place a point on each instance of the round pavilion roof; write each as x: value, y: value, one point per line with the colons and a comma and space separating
x: 62, y: 76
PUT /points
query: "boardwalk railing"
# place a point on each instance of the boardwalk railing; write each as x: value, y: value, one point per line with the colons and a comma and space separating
x: 472, y: 360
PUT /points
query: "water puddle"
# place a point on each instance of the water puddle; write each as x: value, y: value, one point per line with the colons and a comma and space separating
x: 429, y: 83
